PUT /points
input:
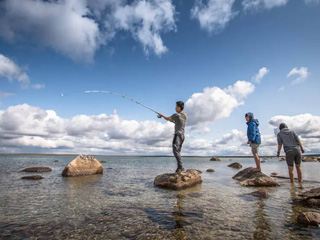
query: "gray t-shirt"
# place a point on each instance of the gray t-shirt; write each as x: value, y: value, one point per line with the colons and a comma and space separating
x: 179, y: 120
x: 288, y: 138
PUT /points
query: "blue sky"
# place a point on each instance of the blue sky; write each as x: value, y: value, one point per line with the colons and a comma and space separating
x: 232, y: 45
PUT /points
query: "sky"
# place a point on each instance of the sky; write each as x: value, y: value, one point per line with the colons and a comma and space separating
x: 223, y: 58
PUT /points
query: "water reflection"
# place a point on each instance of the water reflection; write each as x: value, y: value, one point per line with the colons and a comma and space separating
x: 262, y: 227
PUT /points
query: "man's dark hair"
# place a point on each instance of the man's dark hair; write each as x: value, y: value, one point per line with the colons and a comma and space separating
x: 282, y: 126
x: 180, y: 104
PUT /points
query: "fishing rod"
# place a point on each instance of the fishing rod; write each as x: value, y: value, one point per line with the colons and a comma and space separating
x: 124, y: 96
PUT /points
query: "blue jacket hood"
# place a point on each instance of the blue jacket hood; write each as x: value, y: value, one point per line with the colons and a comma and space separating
x: 251, y: 118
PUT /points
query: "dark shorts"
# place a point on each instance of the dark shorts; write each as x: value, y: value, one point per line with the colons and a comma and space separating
x: 293, y: 156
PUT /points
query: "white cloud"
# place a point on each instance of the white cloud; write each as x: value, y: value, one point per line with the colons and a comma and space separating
x: 302, y: 75
x: 257, y: 4
x: 235, y: 135
x: 213, y: 16
x: 28, y: 126
x: 262, y: 72
x: 77, y: 28
x: 215, y: 103
x: 146, y: 20
x: 306, y: 125
x: 281, y: 89
x: 11, y: 71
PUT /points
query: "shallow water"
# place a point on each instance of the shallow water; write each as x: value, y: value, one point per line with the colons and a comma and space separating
x: 123, y: 203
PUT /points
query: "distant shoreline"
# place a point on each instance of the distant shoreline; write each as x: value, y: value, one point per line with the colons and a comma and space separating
x: 128, y: 156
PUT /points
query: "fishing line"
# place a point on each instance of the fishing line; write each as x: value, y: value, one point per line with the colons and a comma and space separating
x: 123, y: 96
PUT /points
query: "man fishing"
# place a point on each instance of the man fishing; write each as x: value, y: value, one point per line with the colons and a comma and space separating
x: 179, y: 119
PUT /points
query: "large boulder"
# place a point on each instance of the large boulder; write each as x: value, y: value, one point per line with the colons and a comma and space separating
x: 235, y: 165
x: 37, y: 169
x: 310, y: 198
x: 83, y: 165
x: 309, y: 218
x: 177, y: 181
x: 215, y: 159
x: 248, y: 177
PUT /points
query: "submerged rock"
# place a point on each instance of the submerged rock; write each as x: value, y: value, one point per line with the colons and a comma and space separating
x: 247, y: 177
x: 263, y: 161
x: 37, y: 169
x: 310, y: 198
x: 235, y: 165
x: 83, y: 165
x: 309, y: 218
x: 210, y: 170
x: 177, y: 181
x: 32, y: 177
x: 215, y: 159
x: 56, y: 160
x: 103, y: 161
x: 262, y: 193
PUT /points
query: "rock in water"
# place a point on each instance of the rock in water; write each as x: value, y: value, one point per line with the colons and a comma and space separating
x: 309, y: 218
x: 248, y: 177
x: 235, y: 165
x: 56, y: 160
x: 262, y: 193
x: 177, y: 181
x: 83, y: 165
x: 274, y: 173
x: 103, y: 161
x: 32, y: 177
x: 210, y: 170
x: 311, y: 198
x: 37, y: 169
x: 215, y: 159
x: 308, y: 159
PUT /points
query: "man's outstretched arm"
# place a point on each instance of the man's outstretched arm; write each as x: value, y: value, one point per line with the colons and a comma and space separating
x: 165, y: 117
x: 300, y: 145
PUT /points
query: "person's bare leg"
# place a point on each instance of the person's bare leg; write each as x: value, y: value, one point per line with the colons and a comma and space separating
x: 290, y: 169
x: 257, y: 160
x: 299, y: 172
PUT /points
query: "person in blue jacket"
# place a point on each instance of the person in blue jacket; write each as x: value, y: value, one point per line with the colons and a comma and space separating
x: 254, y: 138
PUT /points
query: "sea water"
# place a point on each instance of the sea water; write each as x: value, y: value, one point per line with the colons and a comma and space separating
x: 123, y: 203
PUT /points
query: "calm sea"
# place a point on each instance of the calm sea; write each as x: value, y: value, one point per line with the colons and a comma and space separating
x: 124, y: 204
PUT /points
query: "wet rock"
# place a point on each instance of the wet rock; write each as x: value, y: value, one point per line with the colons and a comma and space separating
x: 32, y: 177
x: 247, y: 177
x: 235, y: 165
x: 309, y: 218
x: 56, y: 160
x: 177, y: 181
x: 310, y: 198
x: 282, y: 159
x: 37, y: 169
x: 262, y: 193
x: 308, y: 159
x: 210, y: 170
x: 215, y: 159
x: 83, y: 165
x: 103, y: 161
x: 263, y: 161
x: 274, y: 174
